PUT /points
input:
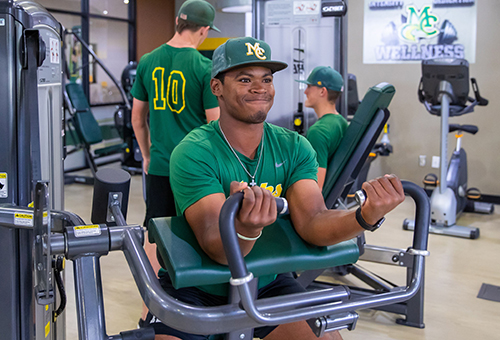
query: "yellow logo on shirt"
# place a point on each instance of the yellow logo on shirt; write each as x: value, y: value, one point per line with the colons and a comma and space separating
x: 276, y: 192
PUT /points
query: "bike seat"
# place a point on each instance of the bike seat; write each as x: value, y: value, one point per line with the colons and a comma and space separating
x: 472, y: 129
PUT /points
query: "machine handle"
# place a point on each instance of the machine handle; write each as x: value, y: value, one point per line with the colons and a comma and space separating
x: 480, y: 100
x: 236, y: 263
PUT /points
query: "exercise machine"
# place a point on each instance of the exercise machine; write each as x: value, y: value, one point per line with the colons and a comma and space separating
x: 85, y: 130
x: 132, y: 156
x: 30, y: 150
x: 185, y: 260
x: 36, y: 234
x: 444, y: 91
x: 343, y: 172
x: 384, y: 148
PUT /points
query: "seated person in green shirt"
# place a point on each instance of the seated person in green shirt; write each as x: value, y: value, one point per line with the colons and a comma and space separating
x: 242, y: 152
x: 324, y: 86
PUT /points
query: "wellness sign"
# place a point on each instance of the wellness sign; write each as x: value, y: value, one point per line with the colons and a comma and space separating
x: 411, y: 31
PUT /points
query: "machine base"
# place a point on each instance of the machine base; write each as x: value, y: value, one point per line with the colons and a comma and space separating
x: 454, y: 230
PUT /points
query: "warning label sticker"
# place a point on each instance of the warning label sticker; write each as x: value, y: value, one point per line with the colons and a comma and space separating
x: 26, y: 219
x: 23, y: 219
x: 87, y: 230
x: 3, y: 185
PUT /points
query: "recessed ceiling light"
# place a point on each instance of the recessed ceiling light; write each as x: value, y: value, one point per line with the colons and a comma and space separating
x: 105, y: 12
x: 126, y: 2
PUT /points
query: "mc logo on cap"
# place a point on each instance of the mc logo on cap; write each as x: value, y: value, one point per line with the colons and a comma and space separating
x: 259, y: 51
x: 244, y: 52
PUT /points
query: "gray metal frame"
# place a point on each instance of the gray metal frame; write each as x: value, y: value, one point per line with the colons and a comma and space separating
x: 86, y: 250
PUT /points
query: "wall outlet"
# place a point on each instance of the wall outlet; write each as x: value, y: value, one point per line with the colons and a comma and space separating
x: 435, y: 162
x: 422, y: 159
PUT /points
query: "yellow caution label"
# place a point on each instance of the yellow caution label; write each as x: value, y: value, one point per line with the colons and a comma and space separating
x: 22, y: 215
x: 3, y: 175
x: 87, y: 230
x: 46, y: 307
x: 23, y: 219
x: 26, y: 219
x: 47, y: 329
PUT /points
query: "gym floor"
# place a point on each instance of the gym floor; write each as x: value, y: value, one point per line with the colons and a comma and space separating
x: 455, y: 271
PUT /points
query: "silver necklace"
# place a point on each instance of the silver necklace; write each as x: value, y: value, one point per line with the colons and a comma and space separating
x: 252, y: 183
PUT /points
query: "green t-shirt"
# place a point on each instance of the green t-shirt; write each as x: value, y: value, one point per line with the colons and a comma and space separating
x: 203, y: 164
x: 325, y: 136
x: 176, y: 83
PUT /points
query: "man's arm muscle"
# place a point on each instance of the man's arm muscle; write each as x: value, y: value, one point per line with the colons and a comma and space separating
x: 320, y: 226
x: 140, y: 111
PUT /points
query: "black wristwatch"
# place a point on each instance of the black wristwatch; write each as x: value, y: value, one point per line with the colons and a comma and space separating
x: 365, y: 225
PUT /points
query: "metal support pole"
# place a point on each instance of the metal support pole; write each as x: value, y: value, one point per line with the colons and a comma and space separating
x: 89, y: 298
x: 343, y: 62
x: 443, y: 168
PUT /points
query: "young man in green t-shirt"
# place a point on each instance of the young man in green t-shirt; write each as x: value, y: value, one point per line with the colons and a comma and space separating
x: 172, y: 85
x: 324, y: 86
x: 241, y: 152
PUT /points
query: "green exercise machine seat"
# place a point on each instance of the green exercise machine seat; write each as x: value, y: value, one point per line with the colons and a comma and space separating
x: 85, y: 124
x: 279, y: 250
x: 376, y: 99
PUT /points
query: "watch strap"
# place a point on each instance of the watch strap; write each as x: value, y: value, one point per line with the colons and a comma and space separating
x: 365, y: 225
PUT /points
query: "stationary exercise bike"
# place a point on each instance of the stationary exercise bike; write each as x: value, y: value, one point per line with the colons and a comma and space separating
x: 444, y: 91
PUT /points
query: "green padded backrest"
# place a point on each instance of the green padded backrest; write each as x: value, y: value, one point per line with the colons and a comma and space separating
x: 378, y: 97
x: 84, y: 121
x: 279, y: 250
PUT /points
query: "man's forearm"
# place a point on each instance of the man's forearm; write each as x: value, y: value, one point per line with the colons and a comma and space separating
x: 330, y: 227
x: 142, y: 137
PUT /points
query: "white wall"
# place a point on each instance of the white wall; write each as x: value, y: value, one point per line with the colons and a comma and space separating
x: 414, y: 131
x: 230, y: 24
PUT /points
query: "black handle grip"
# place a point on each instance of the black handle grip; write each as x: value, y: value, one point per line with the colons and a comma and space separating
x: 235, y: 260
x: 147, y: 333
x: 282, y: 205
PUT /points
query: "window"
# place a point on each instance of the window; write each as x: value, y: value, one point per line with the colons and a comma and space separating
x: 111, y: 8
x: 109, y: 42
x: 64, y: 5
x: 108, y: 27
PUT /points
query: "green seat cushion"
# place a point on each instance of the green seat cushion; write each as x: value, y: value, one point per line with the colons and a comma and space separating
x: 111, y: 149
x: 84, y: 121
x: 377, y: 98
x: 279, y: 250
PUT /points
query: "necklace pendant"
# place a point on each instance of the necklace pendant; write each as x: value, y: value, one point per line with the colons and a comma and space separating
x: 252, y: 183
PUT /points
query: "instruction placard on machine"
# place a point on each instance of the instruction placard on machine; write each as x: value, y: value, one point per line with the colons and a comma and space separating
x: 280, y: 13
x: 3, y: 185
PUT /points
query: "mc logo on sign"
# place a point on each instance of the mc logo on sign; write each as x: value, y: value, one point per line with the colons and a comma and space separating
x: 421, y: 24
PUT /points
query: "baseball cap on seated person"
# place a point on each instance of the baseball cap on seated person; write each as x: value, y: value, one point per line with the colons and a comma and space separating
x: 199, y: 12
x: 325, y: 76
x: 243, y: 52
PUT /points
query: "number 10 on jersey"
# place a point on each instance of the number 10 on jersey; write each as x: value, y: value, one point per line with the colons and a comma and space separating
x: 174, y: 96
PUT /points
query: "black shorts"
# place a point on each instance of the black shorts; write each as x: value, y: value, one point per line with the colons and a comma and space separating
x: 159, y: 198
x: 283, y: 285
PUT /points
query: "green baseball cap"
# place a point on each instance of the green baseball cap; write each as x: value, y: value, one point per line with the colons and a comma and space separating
x: 198, y: 11
x: 242, y: 52
x: 325, y: 76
